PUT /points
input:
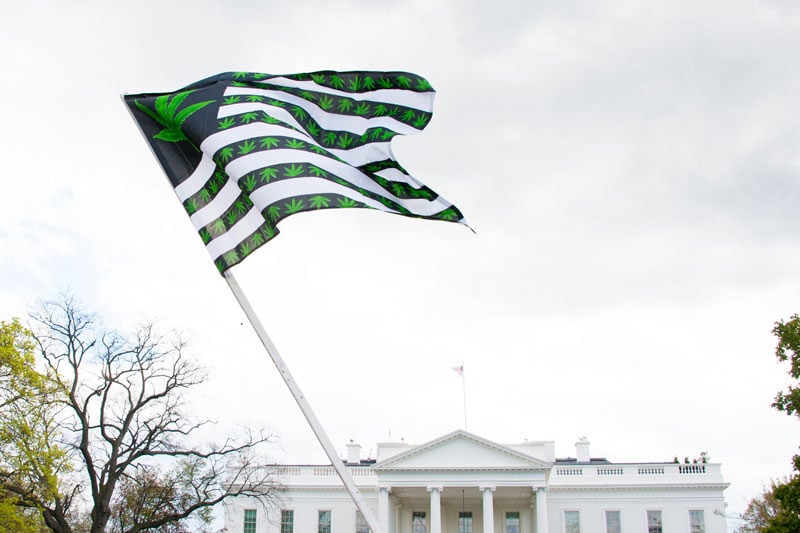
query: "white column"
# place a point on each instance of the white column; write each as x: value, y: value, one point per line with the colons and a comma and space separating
x: 541, y: 510
x: 529, y: 524
x: 488, y: 509
x: 398, y: 524
x: 383, y: 508
x: 436, y: 509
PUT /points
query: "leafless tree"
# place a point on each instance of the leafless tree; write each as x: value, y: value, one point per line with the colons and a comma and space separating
x: 120, y: 418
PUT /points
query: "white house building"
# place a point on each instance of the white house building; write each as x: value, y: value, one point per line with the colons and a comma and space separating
x: 463, y: 483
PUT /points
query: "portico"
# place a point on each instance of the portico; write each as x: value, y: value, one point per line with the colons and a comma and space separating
x: 462, y: 479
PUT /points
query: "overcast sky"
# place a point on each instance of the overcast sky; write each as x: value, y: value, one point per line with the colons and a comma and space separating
x: 630, y: 169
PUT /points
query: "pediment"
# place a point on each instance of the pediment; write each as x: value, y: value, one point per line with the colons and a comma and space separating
x: 464, y: 451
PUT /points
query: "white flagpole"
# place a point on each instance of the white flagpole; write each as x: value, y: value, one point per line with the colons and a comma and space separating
x: 464, y: 394
x: 460, y: 371
x: 305, y: 407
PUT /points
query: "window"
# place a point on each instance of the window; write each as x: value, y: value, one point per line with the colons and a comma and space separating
x: 419, y: 522
x: 572, y: 522
x: 287, y: 521
x: 465, y: 522
x: 512, y: 523
x: 249, y: 521
x: 697, y: 523
x: 654, y: 522
x: 613, y: 522
x: 324, y: 522
x: 361, y: 523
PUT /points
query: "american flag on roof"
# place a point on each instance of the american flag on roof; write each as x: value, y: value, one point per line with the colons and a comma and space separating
x: 245, y: 150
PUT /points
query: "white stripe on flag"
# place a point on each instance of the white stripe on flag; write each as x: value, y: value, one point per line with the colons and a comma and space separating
x: 248, y: 163
x: 205, y: 169
x: 216, y: 207
x: 404, y: 97
x: 326, y: 120
x: 191, y: 185
x: 275, y: 192
x: 273, y: 111
x: 366, y: 153
x: 214, y: 142
x: 284, y: 189
x: 393, y: 174
x: 361, y: 155
x: 236, y: 234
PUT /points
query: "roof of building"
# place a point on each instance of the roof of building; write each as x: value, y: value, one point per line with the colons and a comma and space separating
x: 592, y: 461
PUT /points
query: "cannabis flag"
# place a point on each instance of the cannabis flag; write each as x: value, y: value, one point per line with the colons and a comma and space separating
x: 245, y: 150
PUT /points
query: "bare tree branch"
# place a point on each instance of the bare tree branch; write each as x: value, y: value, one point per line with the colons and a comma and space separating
x: 121, y: 416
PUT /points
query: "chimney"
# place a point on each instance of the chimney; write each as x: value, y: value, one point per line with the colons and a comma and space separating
x: 353, y: 452
x: 582, y: 450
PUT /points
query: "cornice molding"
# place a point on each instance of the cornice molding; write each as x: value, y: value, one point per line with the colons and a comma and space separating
x: 531, y: 468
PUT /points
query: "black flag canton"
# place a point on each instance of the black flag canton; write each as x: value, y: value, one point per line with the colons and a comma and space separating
x: 180, y: 119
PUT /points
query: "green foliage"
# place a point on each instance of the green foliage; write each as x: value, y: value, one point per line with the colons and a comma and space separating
x: 423, y: 85
x: 166, y: 113
x: 226, y: 123
x: 788, y: 349
x: 250, y: 182
x: 295, y: 143
x: 318, y: 202
x: 295, y: 206
x: 318, y: 172
x: 312, y: 128
x: 761, y: 509
x: 247, y: 118
x: 31, y: 460
x: 778, y: 509
x: 344, y: 140
x: 326, y: 102
x: 267, y: 174
x: 421, y: 120
x: 18, y: 379
x: 293, y: 171
x: 16, y: 519
x: 268, y: 142
x: 225, y: 154
x: 337, y: 82
x: 299, y: 113
x: 363, y: 108
x: 247, y: 147
x: 329, y: 138
x: 787, y: 517
x: 345, y: 105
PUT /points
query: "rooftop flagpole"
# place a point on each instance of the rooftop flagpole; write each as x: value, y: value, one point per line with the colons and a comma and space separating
x: 460, y: 371
x: 302, y: 402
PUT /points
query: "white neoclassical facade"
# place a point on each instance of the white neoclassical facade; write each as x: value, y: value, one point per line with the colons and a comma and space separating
x: 463, y: 483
